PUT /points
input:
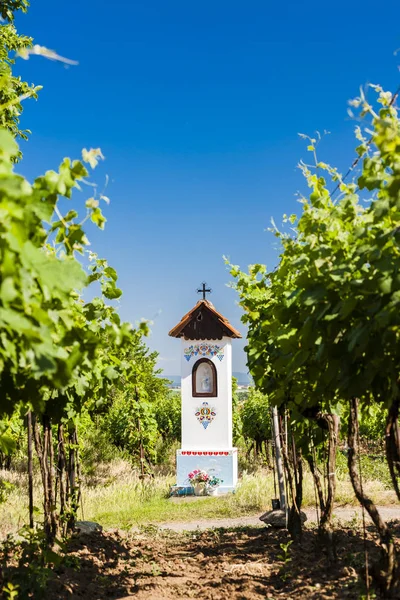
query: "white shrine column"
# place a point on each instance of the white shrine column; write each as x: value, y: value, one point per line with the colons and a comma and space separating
x: 206, y: 395
x: 217, y: 433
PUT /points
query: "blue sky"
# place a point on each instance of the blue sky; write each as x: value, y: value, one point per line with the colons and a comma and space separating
x: 197, y: 107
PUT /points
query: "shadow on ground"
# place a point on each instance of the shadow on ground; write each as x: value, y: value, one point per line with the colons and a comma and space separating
x: 219, y: 564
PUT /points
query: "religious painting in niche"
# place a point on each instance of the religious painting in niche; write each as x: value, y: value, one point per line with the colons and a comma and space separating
x: 204, y: 379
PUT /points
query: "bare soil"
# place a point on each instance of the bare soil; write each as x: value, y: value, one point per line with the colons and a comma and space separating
x: 219, y: 564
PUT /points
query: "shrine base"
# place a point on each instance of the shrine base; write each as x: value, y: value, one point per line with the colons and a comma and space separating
x: 221, y: 463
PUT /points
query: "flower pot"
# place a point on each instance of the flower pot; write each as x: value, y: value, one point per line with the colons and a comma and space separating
x: 199, y: 489
x: 212, y: 491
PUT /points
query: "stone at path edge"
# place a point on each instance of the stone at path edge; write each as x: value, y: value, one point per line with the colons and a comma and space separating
x: 277, y: 518
x: 87, y: 527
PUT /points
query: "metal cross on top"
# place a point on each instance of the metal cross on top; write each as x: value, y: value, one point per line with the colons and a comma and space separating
x: 204, y: 290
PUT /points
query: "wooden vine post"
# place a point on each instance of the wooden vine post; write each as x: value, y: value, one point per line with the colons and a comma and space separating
x: 30, y: 468
x: 278, y: 458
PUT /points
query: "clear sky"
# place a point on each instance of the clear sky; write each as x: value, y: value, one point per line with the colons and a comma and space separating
x: 196, y: 107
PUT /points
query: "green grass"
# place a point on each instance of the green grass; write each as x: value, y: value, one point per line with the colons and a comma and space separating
x: 127, y: 502
x: 135, y: 503
x: 120, y: 499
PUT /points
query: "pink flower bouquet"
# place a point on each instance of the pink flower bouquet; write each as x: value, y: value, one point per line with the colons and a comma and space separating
x: 198, y: 476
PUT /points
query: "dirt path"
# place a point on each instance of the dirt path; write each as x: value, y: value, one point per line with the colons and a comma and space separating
x: 250, y: 563
x: 342, y: 513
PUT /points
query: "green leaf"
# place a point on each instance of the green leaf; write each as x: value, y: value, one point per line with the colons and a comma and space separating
x: 8, y: 145
x: 7, y: 291
x: 331, y: 317
x: 347, y: 306
x: 72, y: 214
x: 111, y: 373
x: 98, y: 218
x: 110, y: 291
x: 299, y: 359
x: 110, y: 272
x: 18, y: 322
x: 64, y: 275
x: 92, y: 156
x: 385, y: 284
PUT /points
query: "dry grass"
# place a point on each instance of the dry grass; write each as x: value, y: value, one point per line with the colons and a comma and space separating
x: 121, y: 499
x: 14, y: 511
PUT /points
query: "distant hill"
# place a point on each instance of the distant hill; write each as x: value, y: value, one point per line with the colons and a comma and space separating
x: 174, y: 379
x: 242, y: 379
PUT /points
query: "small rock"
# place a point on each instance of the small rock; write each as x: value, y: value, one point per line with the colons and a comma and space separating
x: 277, y: 518
x: 87, y: 526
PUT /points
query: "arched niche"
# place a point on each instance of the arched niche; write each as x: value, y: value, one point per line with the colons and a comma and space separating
x: 204, y: 379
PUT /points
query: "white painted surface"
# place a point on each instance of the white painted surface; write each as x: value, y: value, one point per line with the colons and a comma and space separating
x: 222, y: 465
x: 218, y: 434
